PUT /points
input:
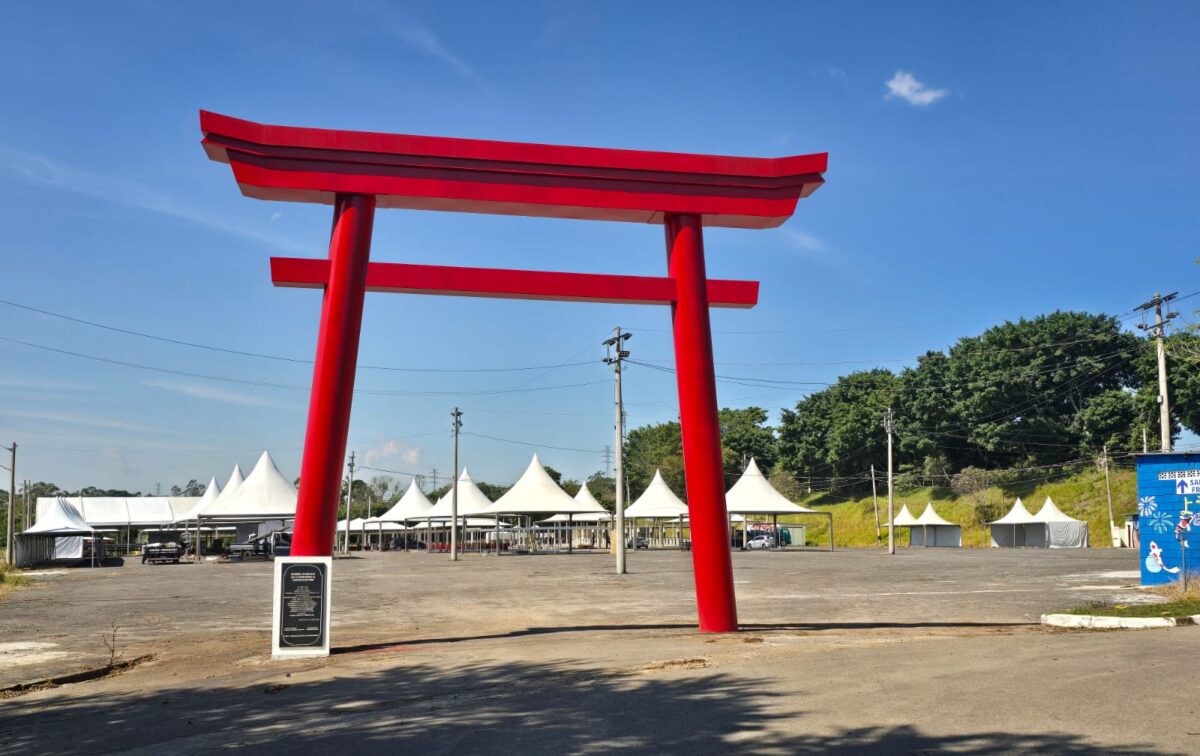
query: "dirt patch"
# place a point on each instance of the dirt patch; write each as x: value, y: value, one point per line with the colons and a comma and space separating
x: 86, y: 675
x: 695, y: 662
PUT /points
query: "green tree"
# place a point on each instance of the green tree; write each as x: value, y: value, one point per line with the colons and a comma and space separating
x: 745, y: 435
x: 838, y: 431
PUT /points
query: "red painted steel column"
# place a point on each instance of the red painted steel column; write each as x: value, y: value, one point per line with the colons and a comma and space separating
x: 711, y: 560
x: 333, y: 376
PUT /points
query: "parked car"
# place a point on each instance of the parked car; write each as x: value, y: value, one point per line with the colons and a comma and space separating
x: 166, y: 546
x: 761, y: 542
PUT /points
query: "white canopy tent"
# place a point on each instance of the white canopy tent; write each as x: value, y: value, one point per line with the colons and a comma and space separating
x: 536, y: 493
x: 1010, y: 530
x: 58, y: 534
x: 657, y: 502
x: 210, y: 495
x: 1061, y: 530
x: 754, y: 494
x: 413, y: 505
x: 264, y: 495
x: 471, y: 501
x: 931, y: 529
x: 905, y: 519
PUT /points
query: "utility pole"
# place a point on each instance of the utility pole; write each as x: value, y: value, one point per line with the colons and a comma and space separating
x: 607, y: 454
x: 27, y: 522
x: 875, y: 499
x: 433, y: 476
x: 10, y: 542
x: 457, y: 416
x: 1145, y: 443
x: 614, y: 351
x: 349, y: 499
x: 1112, y: 525
x: 889, y: 426
x: 1157, y: 332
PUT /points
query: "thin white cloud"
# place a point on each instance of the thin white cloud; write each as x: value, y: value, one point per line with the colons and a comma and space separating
x: 42, y: 171
x: 421, y: 39
x: 904, y: 86
x: 85, y: 420
x: 392, y: 450
x: 803, y: 242
x: 212, y: 393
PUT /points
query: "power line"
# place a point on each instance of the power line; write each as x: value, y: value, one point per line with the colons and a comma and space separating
x: 534, y: 445
x: 290, y: 387
x: 276, y: 357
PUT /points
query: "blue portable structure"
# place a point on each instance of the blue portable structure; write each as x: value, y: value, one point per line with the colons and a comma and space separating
x: 1168, y: 515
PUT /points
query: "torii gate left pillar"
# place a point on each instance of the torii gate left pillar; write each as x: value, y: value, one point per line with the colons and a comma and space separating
x: 358, y: 171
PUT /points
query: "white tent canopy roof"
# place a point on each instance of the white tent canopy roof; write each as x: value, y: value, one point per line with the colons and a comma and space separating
x: 60, y: 518
x: 471, y: 501
x: 412, y: 505
x: 1018, y: 515
x: 905, y: 519
x: 657, y: 501
x: 210, y: 495
x: 265, y: 494
x: 931, y: 517
x: 754, y: 494
x: 537, y: 493
x: 580, y: 518
x: 1051, y: 513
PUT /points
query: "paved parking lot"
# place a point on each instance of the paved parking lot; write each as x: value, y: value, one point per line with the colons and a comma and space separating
x: 857, y: 651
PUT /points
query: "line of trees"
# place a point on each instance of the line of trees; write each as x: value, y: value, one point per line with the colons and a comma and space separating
x: 1044, y: 391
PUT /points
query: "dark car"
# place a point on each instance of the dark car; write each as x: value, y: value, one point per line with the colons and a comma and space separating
x: 165, y: 546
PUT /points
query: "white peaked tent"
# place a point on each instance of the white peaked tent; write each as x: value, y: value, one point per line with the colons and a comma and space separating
x: 657, y: 502
x: 264, y: 495
x: 413, y: 505
x: 1010, y: 530
x: 754, y: 494
x: 1061, y: 531
x: 537, y: 493
x: 931, y: 529
x: 595, y: 513
x: 210, y: 495
x: 905, y: 519
x: 58, y: 534
x: 471, y: 501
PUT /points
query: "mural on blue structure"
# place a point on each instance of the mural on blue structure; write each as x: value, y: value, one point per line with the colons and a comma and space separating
x: 1169, y: 515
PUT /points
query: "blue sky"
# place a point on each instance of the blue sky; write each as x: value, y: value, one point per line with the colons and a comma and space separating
x: 1026, y: 157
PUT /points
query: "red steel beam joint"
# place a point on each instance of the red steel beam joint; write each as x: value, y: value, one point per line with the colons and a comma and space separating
x: 712, y: 563
x: 333, y: 376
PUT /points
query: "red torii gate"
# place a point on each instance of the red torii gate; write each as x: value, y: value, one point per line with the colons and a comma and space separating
x: 357, y: 172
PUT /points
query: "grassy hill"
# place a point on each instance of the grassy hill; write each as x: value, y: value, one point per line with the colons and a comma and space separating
x: 1081, y: 496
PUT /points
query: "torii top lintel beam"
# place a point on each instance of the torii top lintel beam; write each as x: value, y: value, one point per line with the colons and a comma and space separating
x: 508, y: 178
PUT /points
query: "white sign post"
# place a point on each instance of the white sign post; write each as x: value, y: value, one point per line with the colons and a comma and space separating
x: 300, y: 617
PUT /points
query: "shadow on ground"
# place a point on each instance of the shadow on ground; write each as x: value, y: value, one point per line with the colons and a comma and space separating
x: 507, y: 708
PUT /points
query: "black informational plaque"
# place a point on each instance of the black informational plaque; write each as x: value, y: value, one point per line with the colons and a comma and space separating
x: 301, y: 612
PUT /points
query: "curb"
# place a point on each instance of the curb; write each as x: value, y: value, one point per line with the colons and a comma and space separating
x: 1100, y: 622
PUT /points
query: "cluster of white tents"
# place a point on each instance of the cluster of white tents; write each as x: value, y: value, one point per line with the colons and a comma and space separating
x: 1048, y: 529
x: 64, y: 525
x: 535, y: 497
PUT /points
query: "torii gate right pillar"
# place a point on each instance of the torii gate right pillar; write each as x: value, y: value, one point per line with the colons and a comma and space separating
x: 711, y: 559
